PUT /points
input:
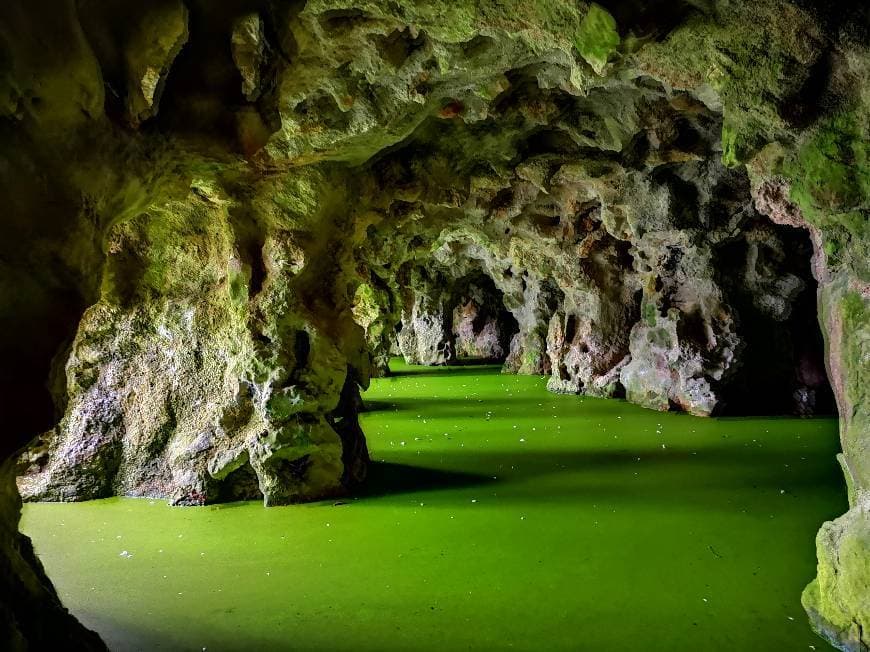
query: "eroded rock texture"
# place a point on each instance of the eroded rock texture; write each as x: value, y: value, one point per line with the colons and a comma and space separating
x: 633, y: 262
x: 200, y: 374
x: 223, y: 217
x: 482, y: 327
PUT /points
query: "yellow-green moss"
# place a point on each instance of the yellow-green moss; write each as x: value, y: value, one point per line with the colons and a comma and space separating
x: 597, y: 39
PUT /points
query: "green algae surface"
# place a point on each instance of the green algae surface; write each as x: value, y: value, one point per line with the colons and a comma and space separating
x: 498, y: 516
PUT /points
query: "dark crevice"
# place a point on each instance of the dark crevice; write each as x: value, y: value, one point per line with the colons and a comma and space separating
x: 241, y: 484
x: 301, y: 348
x: 781, y: 368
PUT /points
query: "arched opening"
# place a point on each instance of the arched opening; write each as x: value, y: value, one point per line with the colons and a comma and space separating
x: 482, y: 327
x: 782, y: 368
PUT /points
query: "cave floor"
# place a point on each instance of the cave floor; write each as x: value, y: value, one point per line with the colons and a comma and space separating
x: 499, y: 516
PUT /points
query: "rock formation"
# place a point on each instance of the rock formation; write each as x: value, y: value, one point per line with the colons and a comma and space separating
x: 221, y: 218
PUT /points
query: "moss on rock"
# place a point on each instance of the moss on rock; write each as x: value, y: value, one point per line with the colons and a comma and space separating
x: 597, y: 38
x: 207, y: 215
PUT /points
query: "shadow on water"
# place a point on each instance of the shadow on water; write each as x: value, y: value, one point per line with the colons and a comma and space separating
x: 450, y: 407
x: 128, y: 634
x: 674, y: 478
x: 377, y: 406
x: 715, y: 465
x: 460, y: 368
x: 447, y: 407
x: 388, y: 478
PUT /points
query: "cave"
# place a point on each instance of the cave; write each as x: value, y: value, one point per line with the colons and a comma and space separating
x: 482, y: 327
x: 429, y: 326
x: 454, y: 319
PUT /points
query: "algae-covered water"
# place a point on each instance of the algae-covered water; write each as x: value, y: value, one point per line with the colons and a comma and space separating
x: 498, y: 517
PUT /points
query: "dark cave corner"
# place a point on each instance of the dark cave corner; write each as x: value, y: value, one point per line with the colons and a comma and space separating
x: 781, y: 371
x: 241, y: 484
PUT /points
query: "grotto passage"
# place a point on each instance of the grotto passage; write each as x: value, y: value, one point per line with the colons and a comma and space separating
x: 224, y: 222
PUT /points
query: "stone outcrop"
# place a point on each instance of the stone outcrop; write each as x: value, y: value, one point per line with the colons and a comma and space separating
x: 196, y: 379
x: 426, y: 335
x: 447, y: 317
x: 220, y: 219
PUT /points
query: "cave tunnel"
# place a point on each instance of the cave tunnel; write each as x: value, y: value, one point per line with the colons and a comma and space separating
x: 534, y: 326
x: 482, y: 327
x: 456, y: 320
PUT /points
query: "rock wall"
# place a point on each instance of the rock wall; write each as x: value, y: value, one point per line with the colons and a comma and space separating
x: 449, y: 315
x: 426, y: 334
x: 202, y: 372
x: 197, y: 192
x: 617, y: 265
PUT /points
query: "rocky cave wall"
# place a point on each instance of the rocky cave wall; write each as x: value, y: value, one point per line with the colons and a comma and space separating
x: 218, y: 215
x: 634, y: 263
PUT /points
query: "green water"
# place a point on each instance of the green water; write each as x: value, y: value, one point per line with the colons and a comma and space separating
x: 499, y: 517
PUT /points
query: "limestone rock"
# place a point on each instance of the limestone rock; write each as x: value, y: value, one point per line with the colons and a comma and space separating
x: 193, y: 202
x: 425, y: 337
x: 180, y: 387
x: 477, y: 334
x: 249, y: 51
x: 837, y: 600
x: 149, y: 55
